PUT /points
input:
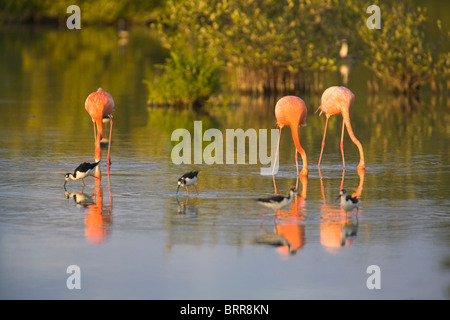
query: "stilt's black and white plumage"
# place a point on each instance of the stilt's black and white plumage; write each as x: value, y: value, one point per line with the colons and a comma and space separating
x: 82, y: 171
x: 278, y: 201
x: 188, y: 179
x: 348, y: 203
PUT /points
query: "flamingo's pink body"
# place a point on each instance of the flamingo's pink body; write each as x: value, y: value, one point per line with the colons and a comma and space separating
x: 337, y: 100
x: 291, y: 111
x: 100, y: 104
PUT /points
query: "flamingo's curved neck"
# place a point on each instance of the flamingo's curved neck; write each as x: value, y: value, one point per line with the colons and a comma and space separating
x: 295, y: 138
x: 352, y: 136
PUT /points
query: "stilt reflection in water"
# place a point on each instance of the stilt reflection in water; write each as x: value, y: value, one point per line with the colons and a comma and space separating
x: 98, y: 217
x: 186, y: 208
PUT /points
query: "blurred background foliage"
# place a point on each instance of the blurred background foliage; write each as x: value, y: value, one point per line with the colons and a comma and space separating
x: 266, y: 46
x: 93, y: 12
x: 283, y: 46
x: 400, y: 52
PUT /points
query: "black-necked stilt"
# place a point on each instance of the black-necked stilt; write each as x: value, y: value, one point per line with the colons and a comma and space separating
x: 278, y: 201
x: 348, y: 203
x: 82, y: 171
x: 188, y: 179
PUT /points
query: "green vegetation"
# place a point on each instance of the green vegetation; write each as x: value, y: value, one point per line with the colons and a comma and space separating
x: 400, y: 54
x: 272, y: 46
x: 187, y: 81
x: 281, y: 45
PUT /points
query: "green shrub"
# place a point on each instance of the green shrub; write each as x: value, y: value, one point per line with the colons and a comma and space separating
x: 187, y: 80
x: 400, y: 54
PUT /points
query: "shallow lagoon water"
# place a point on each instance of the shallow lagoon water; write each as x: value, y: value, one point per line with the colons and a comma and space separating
x: 134, y: 238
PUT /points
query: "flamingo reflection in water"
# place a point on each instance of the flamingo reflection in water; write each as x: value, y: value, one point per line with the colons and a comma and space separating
x: 289, y: 230
x: 98, y: 218
x: 338, y: 227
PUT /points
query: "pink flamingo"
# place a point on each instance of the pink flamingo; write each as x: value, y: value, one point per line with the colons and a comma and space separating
x: 99, y: 105
x: 291, y: 111
x: 337, y: 100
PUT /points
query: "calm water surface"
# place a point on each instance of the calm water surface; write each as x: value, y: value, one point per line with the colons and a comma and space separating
x: 133, y: 238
